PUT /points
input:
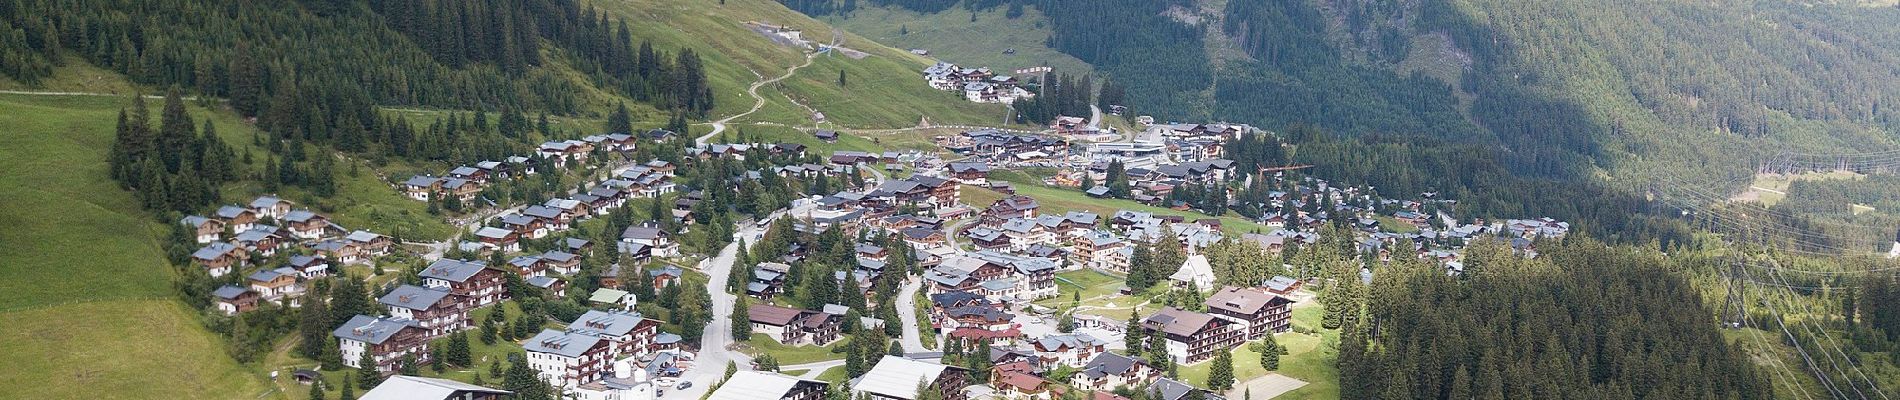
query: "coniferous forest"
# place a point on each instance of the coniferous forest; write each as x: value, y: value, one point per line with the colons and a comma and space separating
x: 340, y: 56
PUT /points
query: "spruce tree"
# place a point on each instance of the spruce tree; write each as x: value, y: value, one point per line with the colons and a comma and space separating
x: 1222, y: 375
x: 741, y: 320
x: 316, y: 390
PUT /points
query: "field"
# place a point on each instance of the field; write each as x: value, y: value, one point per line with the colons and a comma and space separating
x: 1091, y: 283
x: 123, y: 348
x: 1310, y: 359
x: 1056, y: 201
x: 952, y: 36
x: 736, y: 56
x: 1769, y: 189
x: 759, y: 343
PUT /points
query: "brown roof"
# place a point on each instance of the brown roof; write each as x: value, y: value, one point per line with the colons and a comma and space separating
x: 1177, y: 321
x: 1021, y: 380
x: 772, y: 315
x: 1240, y: 300
x: 1101, y: 395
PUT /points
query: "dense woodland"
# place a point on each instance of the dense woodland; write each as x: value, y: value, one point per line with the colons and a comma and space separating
x: 342, y: 56
x: 1583, y: 320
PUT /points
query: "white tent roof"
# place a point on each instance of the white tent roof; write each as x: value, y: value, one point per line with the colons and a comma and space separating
x: 403, y: 387
x: 755, y: 385
x: 1196, y: 270
x: 898, y: 377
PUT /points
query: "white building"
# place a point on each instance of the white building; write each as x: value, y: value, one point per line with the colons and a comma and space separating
x: 567, y: 360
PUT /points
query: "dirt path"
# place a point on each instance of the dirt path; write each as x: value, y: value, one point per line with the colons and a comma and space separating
x: 758, y: 102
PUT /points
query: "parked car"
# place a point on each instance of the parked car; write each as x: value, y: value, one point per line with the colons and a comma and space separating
x: 684, y: 385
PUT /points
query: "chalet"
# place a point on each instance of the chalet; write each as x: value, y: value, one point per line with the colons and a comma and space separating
x: 1067, y: 125
x: 1108, y: 371
x: 562, y: 151
x: 238, y: 218
x: 403, y: 387
x: 552, y: 218
x: 263, y: 239
x: 568, y: 359
x: 649, y: 235
x: 525, y: 226
x: 794, y: 326
x: 206, y: 230
x: 1024, y: 233
x: 969, y: 173
x: 988, y: 239
x: 461, y: 189
x: 578, y: 245
x: 270, y: 207
x: 310, y: 267
x: 281, y: 285
x: 561, y: 262
x: 1098, y: 249
x: 660, y: 135
x: 304, y: 224
x: 422, y: 187
x: 923, y: 238
x: 628, y: 333
x: 1009, y: 208
x: 1013, y: 382
x: 829, y: 136
x: 371, y: 244
x: 548, y: 284
x: 768, y: 280
x: 1191, y: 336
x: 756, y: 385
x: 898, y: 378
x: 436, y: 311
x: 477, y: 284
x: 1169, y: 389
x: 387, y: 340
x: 615, y: 298
x: 220, y: 258
x: 1258, y: 312
x: 1281, y: 285
x: 471, y: 174
x: 1072, y: 349
x: 343, y: 251
x: 233, y: 299
x: 528, y: 266
x: 665, y: 275
x: 497, y: 239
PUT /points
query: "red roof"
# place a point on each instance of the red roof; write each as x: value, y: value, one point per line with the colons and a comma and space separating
x: 1101, y: 395
x: 1021, y: 381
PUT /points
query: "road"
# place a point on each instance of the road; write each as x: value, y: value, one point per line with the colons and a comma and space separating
x: 715, y: 343
x: 912, y: 340
x: 758, y: 102
x: 1095, y: 117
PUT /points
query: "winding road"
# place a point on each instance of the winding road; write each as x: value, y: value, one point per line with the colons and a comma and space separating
x: 912, y: 340
x: 758, y: 102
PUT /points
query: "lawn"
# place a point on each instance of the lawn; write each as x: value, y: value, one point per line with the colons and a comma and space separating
x: 884, y: 90
x: 759, y: 343
x: 835, y: 375
x: 153, y: 349
x: 952, y: 36
x: 1092, y: 284
x: 1310, y: 359
x: 1056, y: 201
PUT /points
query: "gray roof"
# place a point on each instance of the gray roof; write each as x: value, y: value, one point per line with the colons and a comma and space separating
x: 402, y: 387
x: 413, y: 297
x: 372, y: 330
x: 543, y: 281
x: 560, y: 343
x: 611, y: 323
x: 1109, y: 364
x: 265, y: 201
x: 266, y: 275
x: 1169, y: 389
x: 421, y: 180
x: 897, y: 377
x: 213, y: 251
x: 452, y: 269
x: 232, y: 211
x: 755, y: 385
x: 228, y: 292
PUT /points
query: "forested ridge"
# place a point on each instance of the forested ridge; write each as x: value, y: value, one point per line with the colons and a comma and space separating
x: 345, y: 54
x: 1582, y: 320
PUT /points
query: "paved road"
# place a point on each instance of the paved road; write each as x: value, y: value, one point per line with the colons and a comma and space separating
x: 716, y: 341
x: 907, y: 312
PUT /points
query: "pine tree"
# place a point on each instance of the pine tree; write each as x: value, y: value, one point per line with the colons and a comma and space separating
x: 1133, y: 340
x: 459, y: 354
x: 316, y: 390
x: 741, y: 320
x: 367, y: 374
x: 1270, y: 353
x: 313, y: 328
x: 349, y: 390
x: 1222, y: 375
x: 332, y: 357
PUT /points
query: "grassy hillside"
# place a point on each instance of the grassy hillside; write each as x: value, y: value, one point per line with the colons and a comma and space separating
x: 952, y: 36
x: 84, y: 286
x: 736, y: 56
